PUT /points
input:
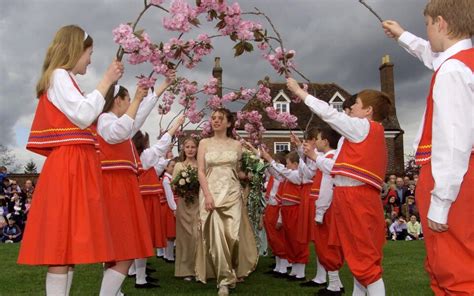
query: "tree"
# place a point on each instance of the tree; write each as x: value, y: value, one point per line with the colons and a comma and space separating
x: 411, y: 168
x: 30, y: 167
x: 8, y: 159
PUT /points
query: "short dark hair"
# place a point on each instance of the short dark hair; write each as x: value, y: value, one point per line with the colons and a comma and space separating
x: 281, y: 156
x: 293, y: 157
x: 331, y: 135
x: 347, y: 104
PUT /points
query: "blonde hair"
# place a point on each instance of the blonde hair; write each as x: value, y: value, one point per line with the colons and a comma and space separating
x: 182, y: 155
x: 459, y: 14
x: 64, y: 52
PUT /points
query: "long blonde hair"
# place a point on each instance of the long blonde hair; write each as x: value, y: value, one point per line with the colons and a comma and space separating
x: 64, y: 52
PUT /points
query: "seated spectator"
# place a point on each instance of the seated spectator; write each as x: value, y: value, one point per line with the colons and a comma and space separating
x: 391, y: 207
x: 29, y: 188
x: 406, y: 181
x: 398, y: 229
x: 3, y: 223
x: 413, y: 228
x: 409, y: 208
x: 27, y: 206
x: 11, y: 232
x: 3, y: 173
x: 3, y: 205
x: 411, y: 189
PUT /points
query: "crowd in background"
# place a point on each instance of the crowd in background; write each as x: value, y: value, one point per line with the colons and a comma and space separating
x: 400, y: 209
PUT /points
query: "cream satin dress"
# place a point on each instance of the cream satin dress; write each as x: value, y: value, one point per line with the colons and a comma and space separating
x: 218, y: 247
x: 187, y: 217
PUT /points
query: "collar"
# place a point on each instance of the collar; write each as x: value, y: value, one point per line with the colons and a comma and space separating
x: 457, y: 47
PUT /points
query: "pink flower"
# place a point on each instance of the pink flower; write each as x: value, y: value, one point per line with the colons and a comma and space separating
x: 210, y: 88
x: 263, y: 94
x: 156, y: 2
x: 206, y: 129
x: 214, y: 102
x: 146, y: 82
x: 271, y: 112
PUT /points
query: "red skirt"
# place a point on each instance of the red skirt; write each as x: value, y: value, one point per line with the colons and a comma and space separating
x: 67, y: 221
x: 153, y: 214
x: 129, y: 226
x: 169, y: 221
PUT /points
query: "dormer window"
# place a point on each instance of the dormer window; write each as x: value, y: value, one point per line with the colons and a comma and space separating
x: 282, y: 102
x: 336, y: 101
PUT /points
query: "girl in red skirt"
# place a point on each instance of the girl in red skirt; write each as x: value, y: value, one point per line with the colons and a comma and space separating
x: 120, y: 168
x: 68, y: 198
x: 149, y: 188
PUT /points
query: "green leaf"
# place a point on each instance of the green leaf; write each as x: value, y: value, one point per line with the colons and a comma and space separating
x: 248, y: 46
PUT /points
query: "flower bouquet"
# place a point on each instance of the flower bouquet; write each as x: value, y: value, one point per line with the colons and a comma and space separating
x: 254, y: 168
x: 186, y: 184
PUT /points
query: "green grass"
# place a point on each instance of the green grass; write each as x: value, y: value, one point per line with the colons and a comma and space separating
x: 403, y: 275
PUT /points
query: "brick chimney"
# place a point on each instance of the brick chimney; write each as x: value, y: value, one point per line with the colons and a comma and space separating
x: 387, y: 82
x: 217, y: 73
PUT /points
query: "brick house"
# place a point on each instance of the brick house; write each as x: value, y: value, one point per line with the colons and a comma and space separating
x: 277, y: 138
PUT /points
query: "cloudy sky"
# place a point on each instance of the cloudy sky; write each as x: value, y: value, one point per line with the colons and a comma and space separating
x: 335, y: 41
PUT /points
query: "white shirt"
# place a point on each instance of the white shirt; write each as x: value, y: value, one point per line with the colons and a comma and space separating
x: 151, y: 157
x: 292, y: 176
x: 80, y: 110
x: 161, y: 165
x: 351, y: 129
x: 168, y: 192
x: 273, y: 191
x: 453, y: 123
x: 326, y: 189
x: 115, y: 130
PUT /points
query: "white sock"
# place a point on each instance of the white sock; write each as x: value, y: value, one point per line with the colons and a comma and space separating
x: 169, y: 252
x: 294, y: 269
x: 334, y: 281
x: 277, y: 263
x: 320, y: 277
x: 300, y: 270
x: 140, y: 265
x: 70, y: 276
x: 131, y: 269
x: 56, y: 284
x: 283, y: 266
x: 359, y: 290
x: 376, y: 288
x: 111, y: 282
x: 160, y: 252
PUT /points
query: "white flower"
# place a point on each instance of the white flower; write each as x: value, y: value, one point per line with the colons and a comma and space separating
x: 182, y: 182
x: 188, y: 180
x: 253, y: 156
x: 184, y: 174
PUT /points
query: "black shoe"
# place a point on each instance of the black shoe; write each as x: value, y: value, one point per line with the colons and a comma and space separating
x: 295, y: 279
x: 150, y: 270
x: 151, y: 279
x: 168, y: 260
x: 131, y: 275
x: 271, y: 272
x: 272, y: 266
x: 312, y: 284
x: 279, y: 275
x: 326, y: 292
x: 146, y: 286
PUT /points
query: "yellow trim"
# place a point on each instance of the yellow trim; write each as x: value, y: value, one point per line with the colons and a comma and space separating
x: 424, y: 146
x: 356, y: 167
x: 118, y: 160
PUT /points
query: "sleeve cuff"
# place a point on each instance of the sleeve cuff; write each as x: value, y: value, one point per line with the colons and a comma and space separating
x: 406, y: 38
x: 319, y: 218
x: 438, y: 214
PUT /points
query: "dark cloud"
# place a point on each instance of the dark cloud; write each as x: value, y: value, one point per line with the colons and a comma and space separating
x: 335, y: 40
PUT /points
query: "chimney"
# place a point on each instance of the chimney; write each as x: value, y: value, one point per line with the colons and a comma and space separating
x: 217, y: 73
x: 387, y: 83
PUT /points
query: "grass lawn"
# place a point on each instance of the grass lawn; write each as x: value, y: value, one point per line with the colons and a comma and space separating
x: 403, y: 275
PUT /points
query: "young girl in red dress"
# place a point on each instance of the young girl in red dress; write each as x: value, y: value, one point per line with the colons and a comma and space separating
x: 121, y: 165
x: 68, y: 199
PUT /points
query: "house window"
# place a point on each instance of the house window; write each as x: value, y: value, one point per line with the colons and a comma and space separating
x: 336, y: 101
x: 281, y: 146
x: 338, y: 106
x: 282, y: 107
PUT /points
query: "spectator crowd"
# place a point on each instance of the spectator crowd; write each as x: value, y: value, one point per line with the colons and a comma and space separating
x: 15, y: 203
x: 400, y: 209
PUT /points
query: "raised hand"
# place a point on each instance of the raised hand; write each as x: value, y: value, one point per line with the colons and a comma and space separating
x: 392, y: 29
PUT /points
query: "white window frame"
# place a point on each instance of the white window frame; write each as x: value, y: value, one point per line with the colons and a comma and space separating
x: 278, y: 103
x: 288, y: 144
x: 337, y: 104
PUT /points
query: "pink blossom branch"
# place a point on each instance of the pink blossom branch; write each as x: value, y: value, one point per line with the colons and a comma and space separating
x: 371, y: 10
